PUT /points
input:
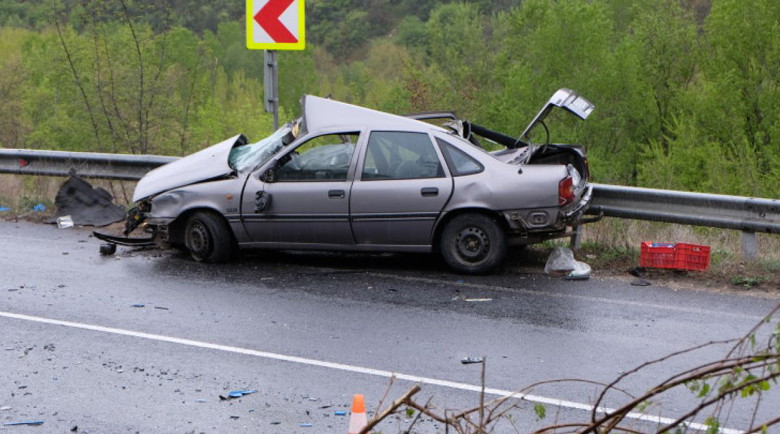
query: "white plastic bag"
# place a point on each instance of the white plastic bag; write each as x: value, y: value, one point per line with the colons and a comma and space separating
x: 64, y: 222
x: 581, y: 272
x: 562, y: 263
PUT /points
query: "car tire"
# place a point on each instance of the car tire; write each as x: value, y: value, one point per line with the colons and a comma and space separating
x: 473, y: 244
x: 208, y: 238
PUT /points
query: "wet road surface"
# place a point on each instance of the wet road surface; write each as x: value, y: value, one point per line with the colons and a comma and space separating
x: 148, y: 341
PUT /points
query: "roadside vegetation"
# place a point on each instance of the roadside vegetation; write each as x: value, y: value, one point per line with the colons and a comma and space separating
x: 686, y: 91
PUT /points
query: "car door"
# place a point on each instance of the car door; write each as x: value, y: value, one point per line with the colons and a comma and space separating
x: 399, y: 191
x: 305, y: 200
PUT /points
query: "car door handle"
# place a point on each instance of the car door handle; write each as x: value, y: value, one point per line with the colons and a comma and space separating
x: 429, y: 191
x: 336, y: 194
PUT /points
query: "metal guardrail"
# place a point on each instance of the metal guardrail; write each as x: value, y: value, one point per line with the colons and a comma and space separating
x: 85, y: 164
x: 749, y: 215
x: 696, y: 209
x: 746, y: 214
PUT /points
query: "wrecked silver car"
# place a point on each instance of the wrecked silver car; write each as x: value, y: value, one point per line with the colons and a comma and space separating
x: 343, y: 177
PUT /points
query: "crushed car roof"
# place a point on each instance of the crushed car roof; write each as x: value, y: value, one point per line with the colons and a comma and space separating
x: 321, y: 114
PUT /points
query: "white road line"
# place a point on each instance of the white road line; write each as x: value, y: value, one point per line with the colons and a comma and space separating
x: 348, y: 368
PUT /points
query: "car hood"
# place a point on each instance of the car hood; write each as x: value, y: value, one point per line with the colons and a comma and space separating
x: 209, y: 163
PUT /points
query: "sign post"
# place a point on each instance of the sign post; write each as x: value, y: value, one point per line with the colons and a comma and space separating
x: 274, y: 25
x: 271, y: 85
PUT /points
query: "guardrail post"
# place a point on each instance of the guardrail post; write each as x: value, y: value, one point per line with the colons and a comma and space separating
x: 749, y: 245
x: 575, y: 242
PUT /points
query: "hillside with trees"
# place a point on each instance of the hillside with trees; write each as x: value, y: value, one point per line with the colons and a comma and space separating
x: 686, y: 91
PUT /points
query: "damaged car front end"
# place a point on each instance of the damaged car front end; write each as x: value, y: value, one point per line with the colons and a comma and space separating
x: 343, y: 177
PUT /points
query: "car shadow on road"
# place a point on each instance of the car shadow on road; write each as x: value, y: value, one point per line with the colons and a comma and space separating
x: 298, y: 262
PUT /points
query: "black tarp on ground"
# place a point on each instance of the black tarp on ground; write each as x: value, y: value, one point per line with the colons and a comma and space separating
x: 86, y: 205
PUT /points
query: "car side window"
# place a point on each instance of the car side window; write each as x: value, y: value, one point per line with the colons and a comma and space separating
x: 400, y: 155
x: 460, y: 162
x: 323, y: 158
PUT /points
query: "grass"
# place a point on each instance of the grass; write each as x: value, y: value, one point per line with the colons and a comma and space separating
x: 612, y: 246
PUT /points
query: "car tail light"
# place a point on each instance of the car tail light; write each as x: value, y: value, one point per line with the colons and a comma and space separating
x: 565, y: 191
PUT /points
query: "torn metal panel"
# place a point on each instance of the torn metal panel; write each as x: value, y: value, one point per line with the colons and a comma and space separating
x: 86, y: 205
x: 125, y: 241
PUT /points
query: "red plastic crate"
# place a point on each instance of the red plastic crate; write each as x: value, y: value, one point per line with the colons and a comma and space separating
x: 680, y: 256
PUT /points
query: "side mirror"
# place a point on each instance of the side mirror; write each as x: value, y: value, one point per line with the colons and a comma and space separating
x: 269, y: 175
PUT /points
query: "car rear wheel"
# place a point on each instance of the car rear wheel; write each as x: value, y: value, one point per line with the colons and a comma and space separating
x: 473, y: 244
x: 208, y: 238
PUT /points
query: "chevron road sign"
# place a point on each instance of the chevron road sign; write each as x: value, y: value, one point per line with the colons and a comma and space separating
x: 275, y: 25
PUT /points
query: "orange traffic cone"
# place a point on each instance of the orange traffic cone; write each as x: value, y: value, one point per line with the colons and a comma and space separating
x: 358, y: 419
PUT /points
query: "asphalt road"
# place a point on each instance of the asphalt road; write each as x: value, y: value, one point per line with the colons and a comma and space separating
x: 148, y: 341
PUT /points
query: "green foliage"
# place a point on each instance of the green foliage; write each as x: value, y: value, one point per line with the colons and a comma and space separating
x: 713, y: 425
x: 748, y: 281
x: 686, y: 95
x: 540, y: 410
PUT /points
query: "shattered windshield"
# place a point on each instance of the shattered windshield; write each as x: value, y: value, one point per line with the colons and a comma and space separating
x: 252, y: 155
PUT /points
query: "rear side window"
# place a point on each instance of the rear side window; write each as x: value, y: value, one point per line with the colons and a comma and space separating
x: 460, y: 163
x: 401, y: 155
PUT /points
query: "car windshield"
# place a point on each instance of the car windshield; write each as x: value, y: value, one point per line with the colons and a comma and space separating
x: 252, y: 155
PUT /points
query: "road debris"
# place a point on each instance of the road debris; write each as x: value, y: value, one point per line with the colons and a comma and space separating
x: 640, y: 273
x: 581, y: 272
x: 561, y: 263
x: 24, y: 422
x: 477, y: 299
x: 64, y: 222
x: 340, y: 413
x: 86, y: 205
x: 137, y: 305
x: 107, y: 249
x: 236, y: 394
x: 470, y: 360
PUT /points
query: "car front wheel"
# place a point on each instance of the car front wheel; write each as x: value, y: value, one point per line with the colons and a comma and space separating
x: 208, y: 238
x: 473, y: 244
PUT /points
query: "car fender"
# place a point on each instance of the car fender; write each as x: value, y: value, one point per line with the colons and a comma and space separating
x: 221, y: 196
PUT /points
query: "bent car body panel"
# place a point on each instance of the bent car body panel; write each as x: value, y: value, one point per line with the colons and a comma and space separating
x: 204, y: 165
x: 346, y: 177
x: 324, y: 114
x: 566, y: 99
